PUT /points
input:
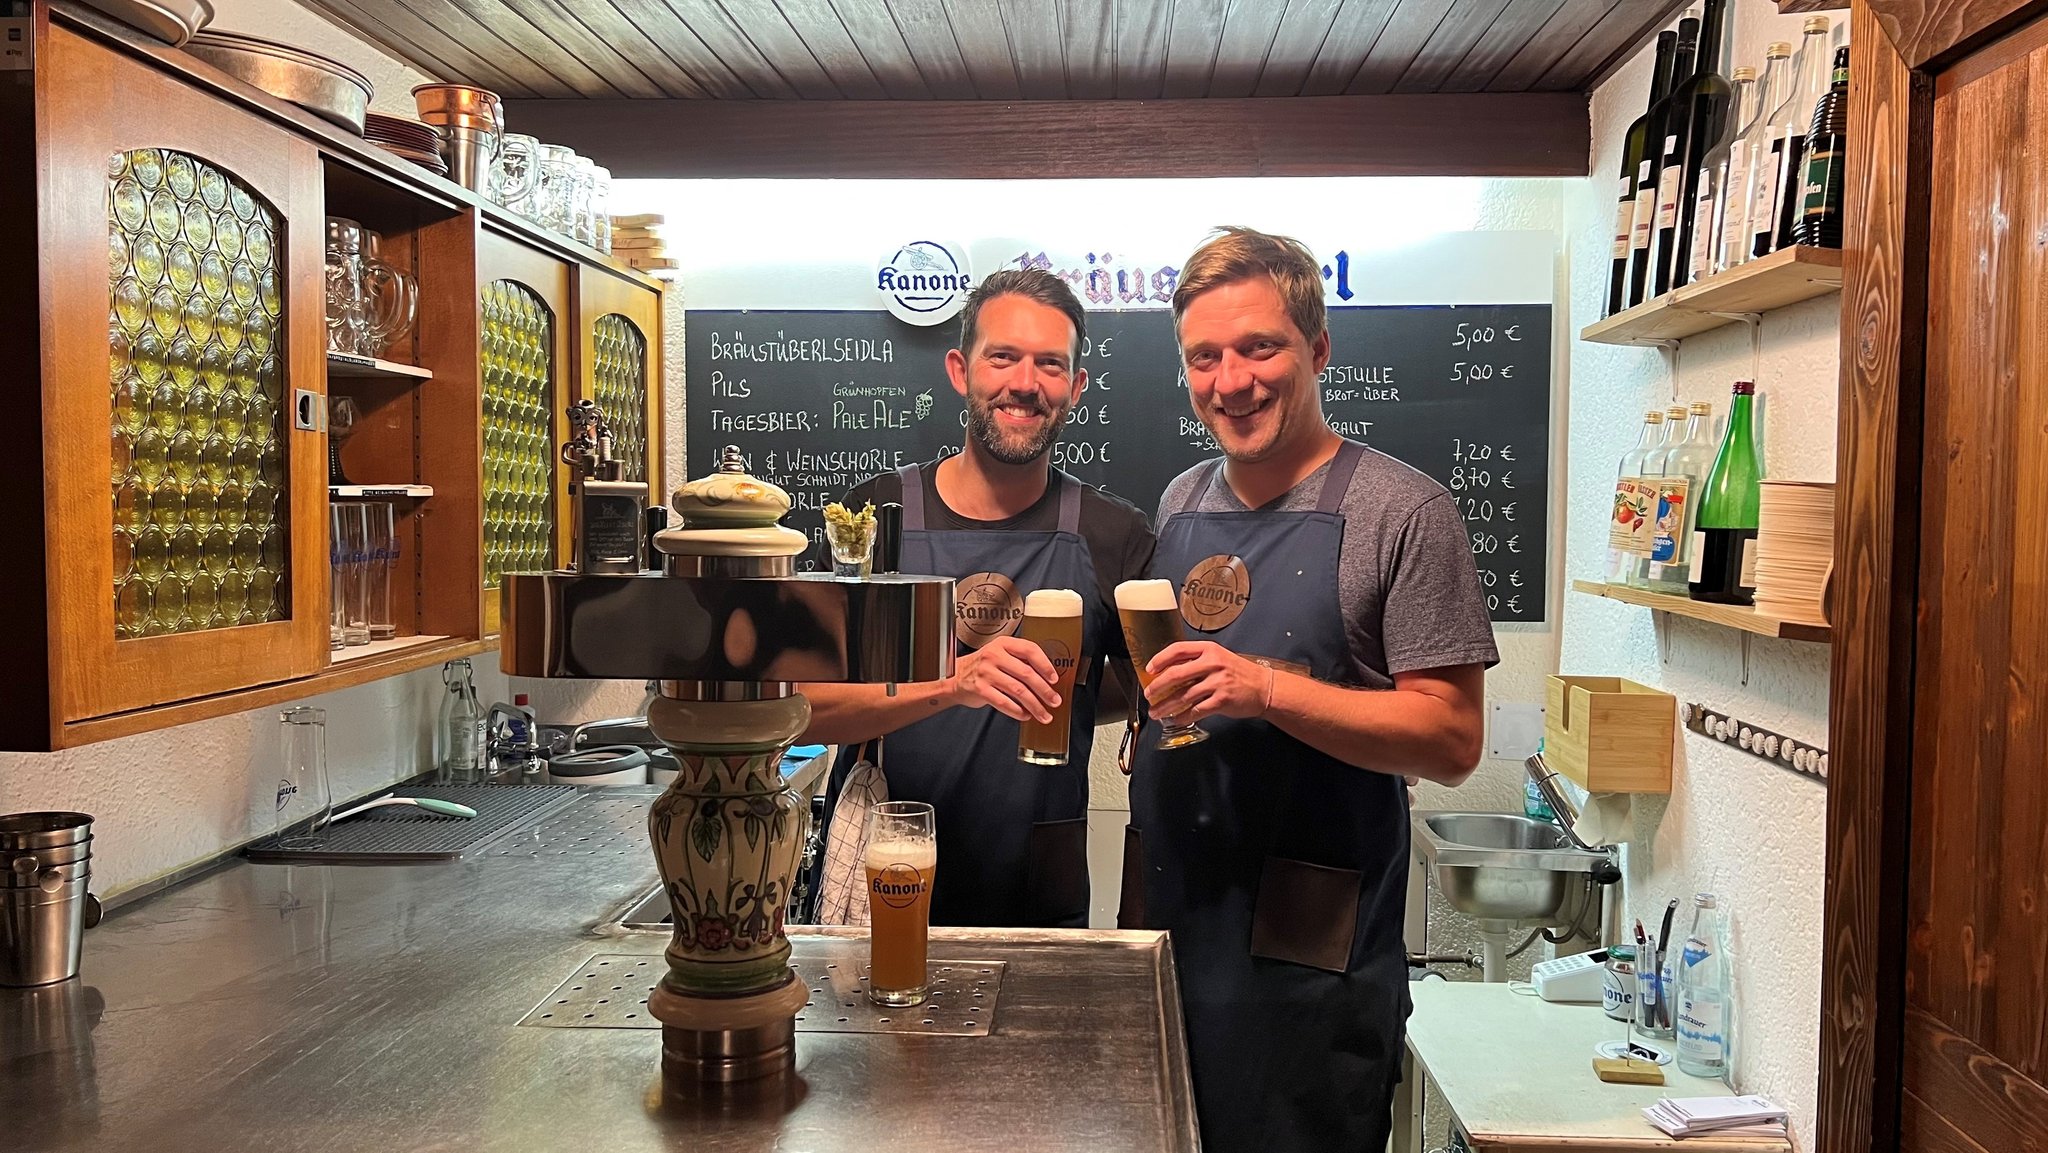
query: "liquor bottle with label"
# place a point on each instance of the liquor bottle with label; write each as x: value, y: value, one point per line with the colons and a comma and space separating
x: 1655, y: 462
x: 1678, y: 490
x: 1708, y: 99
x: 1771, y: 215
x: 1751, y: 155
x: 1827, y: 141
x: 1711, y: 180
x: 1634, y: 158
x: 1628, y: 527
x: 1643, y: 239
x: 1724, y: 543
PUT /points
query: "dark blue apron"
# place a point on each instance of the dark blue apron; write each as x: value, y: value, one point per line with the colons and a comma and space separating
x: 1280, y: 871
x: 1013, y: 837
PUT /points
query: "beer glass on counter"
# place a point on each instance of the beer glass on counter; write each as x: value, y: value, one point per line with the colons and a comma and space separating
x: 1150, y: 613
x: 901, y: 857
x: 1052, y: 621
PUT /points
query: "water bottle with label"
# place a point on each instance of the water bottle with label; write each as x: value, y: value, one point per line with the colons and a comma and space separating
x: 1703, y: 1018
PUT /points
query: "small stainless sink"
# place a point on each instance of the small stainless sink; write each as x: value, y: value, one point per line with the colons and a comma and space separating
x: 1505, y: 870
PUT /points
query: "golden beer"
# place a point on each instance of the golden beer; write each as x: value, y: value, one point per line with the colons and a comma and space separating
x: 901, y: 858
x: 1150, y: 613
x: 1052, y: 621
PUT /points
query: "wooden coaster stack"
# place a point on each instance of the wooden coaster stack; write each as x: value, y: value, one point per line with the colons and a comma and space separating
x: 637, y: 241
x: 1795, y: 548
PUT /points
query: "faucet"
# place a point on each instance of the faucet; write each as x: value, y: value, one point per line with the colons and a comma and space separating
x: 1564, y: 812
x: 509, y: 746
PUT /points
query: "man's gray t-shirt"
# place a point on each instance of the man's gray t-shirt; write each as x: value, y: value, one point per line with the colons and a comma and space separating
x: 1406, y: 580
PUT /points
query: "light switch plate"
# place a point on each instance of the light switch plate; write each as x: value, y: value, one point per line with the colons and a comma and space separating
x: 1514, y: 730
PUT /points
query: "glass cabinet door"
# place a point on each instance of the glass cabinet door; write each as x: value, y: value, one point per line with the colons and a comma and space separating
x: 191, y: 537
x: 620, y: 331
x: 523, y: 300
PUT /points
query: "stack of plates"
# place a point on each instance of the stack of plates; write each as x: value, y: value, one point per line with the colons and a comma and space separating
x: 1795, y: 549
x: 417, y: 142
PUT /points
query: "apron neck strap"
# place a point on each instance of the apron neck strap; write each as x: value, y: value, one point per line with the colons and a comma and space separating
x: 1211, y: 469
x: 1337, y: 481
x: 1070, y: 502
x: 913, y: 497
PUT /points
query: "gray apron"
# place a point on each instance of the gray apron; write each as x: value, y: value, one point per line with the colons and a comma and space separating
x: 1013, y: 837
x: 1280, y: 871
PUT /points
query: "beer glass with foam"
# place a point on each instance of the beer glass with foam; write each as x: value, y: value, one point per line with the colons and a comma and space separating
x: 1052, y: 621
x: 902, y: 856
x: 1150, y: 613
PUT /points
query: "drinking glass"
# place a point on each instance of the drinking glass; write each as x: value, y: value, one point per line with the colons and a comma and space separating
x: 341, y: 424
x: 901, y: 857
x: 581, y: 225
x: 352, y: 530
x: 1052, y: 621
x: 381, y: 539
x: 553, y: 199
x: 344, y: 280
x: 303, y: 802
x: 1150, y: 613
x: 391, y: 299
x: 337, y: 576
x: 601, y: 209
x: 515, y: 173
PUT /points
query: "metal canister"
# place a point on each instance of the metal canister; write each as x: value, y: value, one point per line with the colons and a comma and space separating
x: 1618, y: 990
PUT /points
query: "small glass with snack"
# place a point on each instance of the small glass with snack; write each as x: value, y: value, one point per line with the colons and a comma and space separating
x: 851, y: 537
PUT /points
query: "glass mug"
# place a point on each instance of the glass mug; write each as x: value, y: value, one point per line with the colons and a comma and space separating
x: 515, y: 172
x: 555, y: 196
x: 582, y: 226
x: 1150, y: 613
x: 600, y: 209
x: 391, y: 299
x: 361, y: 322
x: 1052, y: 621
x: 900, y: 860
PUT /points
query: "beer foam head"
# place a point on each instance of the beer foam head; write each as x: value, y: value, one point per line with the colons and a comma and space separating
x: 1053, y: 603
x: 1146, y: 596
x: 916, y: 854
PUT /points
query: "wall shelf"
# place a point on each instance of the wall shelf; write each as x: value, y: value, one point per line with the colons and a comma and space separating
x: 1790, y: 7
x: 1731, y: 616
x: 341, y: 364
x: 1787, y: 276
x: 379, y: 649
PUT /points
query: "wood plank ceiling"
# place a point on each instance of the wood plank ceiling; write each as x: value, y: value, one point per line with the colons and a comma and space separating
x: 1004, y: 50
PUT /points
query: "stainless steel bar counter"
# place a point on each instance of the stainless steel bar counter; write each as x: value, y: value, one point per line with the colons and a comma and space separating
x: 284, y: 1008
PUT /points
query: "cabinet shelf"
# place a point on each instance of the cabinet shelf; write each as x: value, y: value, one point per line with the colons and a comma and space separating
x: 1740, y: 617
x: 378, y: 491
x: 342, y: 365
x: 1787, y: 276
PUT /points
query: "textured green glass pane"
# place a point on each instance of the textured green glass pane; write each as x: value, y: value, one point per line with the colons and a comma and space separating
x: 620, y: 385
x: 196, y: 398
x: 519, y: 373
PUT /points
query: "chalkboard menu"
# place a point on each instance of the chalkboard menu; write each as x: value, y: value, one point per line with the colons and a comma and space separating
x: 820, y: 401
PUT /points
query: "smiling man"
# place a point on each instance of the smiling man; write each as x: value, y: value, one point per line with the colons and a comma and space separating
x: 1002, y: 522
x: 1343, y: 643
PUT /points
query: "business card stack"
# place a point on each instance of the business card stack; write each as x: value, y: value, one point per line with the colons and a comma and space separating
x: 637, y: 241
x: 1795, y: 549
x: 1750, y: 1116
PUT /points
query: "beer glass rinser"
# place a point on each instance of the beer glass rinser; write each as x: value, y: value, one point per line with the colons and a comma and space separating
x: 901, y: 858
x: 1052, y: 621
x: 1150, y: 613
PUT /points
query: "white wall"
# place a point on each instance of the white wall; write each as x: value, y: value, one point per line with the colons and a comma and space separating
x: 1734, y: 825
x: 165, y: 800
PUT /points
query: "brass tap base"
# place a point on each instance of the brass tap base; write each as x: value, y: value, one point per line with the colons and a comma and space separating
x: 721, y: 1040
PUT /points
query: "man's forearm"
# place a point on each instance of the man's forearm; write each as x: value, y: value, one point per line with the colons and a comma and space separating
x: 1392, y: 731
x: 847, y: 714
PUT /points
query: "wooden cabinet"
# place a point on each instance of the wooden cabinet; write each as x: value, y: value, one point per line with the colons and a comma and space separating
x: 168, y: 471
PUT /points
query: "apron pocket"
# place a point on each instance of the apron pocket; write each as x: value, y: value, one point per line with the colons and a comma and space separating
x: 1306, y: 914
x: 1056, y: 872
x: 1130, y: 908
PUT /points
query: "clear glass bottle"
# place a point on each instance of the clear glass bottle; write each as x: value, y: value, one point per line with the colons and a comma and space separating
x: 1724, y: 544
x: 1703, y: 1019
x: 460, y: 735
x: 1711, y: 183
x: 1678, y: 491
x: 1631, y: 505
x: 1772, y: 211
x: 1655, y: 462
x: 1750, y: 156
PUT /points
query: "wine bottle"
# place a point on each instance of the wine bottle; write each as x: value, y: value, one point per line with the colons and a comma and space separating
x: 1642, y: 242
x: 1772, y: 219
x: 1707, y: 103
x: 1751, y: 156
x: 1710, y: 181
x: 1635, y: 146
x: 1655, y: 463
x: 1629, y: 520
x: 1820, y: 218
x: 1678, y: 493
x: 1724, y: 544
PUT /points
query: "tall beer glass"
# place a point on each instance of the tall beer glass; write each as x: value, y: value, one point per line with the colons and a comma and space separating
x: 902, y: 856
x: 1052, y: 621
x: 1150, y: 613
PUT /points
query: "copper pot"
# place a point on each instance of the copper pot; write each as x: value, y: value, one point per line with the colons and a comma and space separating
x: 458, y: 104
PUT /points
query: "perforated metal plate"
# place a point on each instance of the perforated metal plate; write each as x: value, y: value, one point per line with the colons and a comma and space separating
x: 598, y: 827
x: 610, y: 991
x: 400, y: 833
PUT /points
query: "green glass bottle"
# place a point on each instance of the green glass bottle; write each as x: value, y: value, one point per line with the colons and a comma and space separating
x: 1724, y: 537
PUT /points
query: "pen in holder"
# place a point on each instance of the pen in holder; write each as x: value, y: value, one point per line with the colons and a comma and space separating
x: 1653, y: 1008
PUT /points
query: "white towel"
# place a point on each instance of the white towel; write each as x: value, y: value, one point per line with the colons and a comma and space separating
x: 842, y: 892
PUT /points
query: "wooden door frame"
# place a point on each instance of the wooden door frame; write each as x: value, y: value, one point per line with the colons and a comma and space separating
x: 1896, y: 49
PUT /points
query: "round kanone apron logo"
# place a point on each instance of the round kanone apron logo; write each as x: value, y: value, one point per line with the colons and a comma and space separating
x: 925, y: 282
x: 986, y: 605
x: 898, y: 885
x: 1216, y: 591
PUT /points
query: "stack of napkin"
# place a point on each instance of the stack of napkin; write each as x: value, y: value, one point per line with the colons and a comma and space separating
x: 1717, y: 1116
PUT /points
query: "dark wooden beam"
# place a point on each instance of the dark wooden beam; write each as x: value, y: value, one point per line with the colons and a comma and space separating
x: 1930, y: 33
x: 1478, y: 134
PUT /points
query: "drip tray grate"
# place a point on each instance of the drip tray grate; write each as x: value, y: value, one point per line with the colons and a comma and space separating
x: 602, y: 826
x: 610, y: 990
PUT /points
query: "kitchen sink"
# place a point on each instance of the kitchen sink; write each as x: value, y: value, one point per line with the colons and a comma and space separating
x: 1504, y: 870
